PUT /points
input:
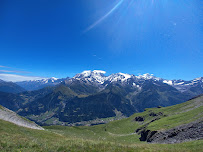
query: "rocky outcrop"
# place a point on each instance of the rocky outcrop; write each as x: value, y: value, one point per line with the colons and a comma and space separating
x: 10, y: 116
x: 146, y: 135
x: 187, y: 132
x: 139, y: 118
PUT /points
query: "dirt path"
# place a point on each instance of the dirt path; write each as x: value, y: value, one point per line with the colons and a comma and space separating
x: 119, y: 135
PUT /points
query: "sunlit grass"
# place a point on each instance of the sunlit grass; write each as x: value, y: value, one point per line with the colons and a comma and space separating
x: 117, y: 135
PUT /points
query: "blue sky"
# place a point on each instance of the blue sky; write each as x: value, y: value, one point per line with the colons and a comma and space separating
x: 48, y: 38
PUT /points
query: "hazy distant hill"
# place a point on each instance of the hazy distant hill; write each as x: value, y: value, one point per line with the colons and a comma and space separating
x: 39, y: 84
x: 10, y: 87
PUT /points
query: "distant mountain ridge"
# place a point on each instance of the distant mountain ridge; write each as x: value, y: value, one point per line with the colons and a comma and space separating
x: 98, y: 78
x: 91, y: 95
x: 39, y: 84
x: 10, y: 87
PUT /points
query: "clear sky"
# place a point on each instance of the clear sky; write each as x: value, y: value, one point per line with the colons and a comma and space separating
x: 50, y: 38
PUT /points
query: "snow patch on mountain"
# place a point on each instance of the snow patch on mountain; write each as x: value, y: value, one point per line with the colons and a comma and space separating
x: 122, y: 77
x: 86, y: 73
x: 148, y: 76
x: 182, y: 85
x: 91, y: 76
x: 169, y: 82
x: 99, y: 71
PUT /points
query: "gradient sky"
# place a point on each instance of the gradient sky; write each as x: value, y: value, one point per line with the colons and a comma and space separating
x: 49, y: 38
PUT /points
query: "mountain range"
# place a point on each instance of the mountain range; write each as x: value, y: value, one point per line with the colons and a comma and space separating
x: 98, y: 78
x: 91, y: 95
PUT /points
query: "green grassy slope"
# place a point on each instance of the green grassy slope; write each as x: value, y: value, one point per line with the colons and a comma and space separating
x: 124, y: 130
x: 115, y: 136
x: 20, y: 139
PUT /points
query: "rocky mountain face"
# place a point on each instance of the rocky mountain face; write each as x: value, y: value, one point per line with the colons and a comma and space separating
x: 91, y: 95
x: 10, y: 87
x: 39, y: 84
x: 10, y: 116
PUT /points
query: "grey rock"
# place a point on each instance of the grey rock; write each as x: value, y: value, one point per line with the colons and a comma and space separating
x: 139, y: 118
x: 183, y: 133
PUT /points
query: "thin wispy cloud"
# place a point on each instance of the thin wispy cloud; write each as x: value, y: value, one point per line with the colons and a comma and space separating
x: 1, y: 66
x: 17, y: 78
x: 14, y: 75
x: 6, y: 69
x: 13, y: 71
x: 104, y: 17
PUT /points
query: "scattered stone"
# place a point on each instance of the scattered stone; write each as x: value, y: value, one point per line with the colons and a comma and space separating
x: 155, y: 119
x: 156, y: 114
x: 139, y: 118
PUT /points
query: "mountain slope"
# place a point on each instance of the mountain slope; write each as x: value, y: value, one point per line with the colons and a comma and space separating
x: 115, y: 136
x: 156, y: 93
x: 18, y: 101
x: 101, y: 105
x: 10, y: 116
x: 66, y: 106
x: 182, y: 122
x: 10, y: 87
x: 10, y: 101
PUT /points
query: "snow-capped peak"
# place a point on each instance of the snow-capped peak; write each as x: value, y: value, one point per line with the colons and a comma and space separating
x: 169, y: 82
x: 119, y: 77
x: 89, y: 73
x: 53, y: 78
x: 99, y: 71
x: 148, y: 76
x: 199, y: 79
x: 86, y: 73
x: 92, y: 76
